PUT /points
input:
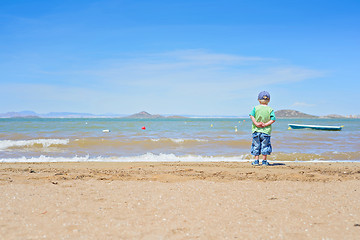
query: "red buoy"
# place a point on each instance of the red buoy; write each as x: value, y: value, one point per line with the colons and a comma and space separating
x: 143, y: 128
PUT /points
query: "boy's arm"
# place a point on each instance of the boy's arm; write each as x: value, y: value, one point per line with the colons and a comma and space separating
x: 272, y: 119
x: 258, y: 124
x: 269, y: 123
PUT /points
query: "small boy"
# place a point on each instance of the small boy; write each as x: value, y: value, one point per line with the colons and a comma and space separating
x: 262, y: 117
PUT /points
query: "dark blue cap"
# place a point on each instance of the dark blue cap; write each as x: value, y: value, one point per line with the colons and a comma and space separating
x: 264, y: 95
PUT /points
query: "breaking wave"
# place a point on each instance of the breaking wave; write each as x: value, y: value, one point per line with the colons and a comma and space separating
x: 6, y: 144
x: 151, y: 157
x: 148, y: 157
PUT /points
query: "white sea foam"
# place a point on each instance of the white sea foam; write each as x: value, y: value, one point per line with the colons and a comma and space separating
x: 148, y: 157
x: 5, y: 144
x: 178, y: 140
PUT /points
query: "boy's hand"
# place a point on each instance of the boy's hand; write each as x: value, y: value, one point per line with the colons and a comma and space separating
x: 260, y: 124
x: 269, y: 123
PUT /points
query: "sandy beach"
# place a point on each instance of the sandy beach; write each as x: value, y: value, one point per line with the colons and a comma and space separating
x: 179, y: 201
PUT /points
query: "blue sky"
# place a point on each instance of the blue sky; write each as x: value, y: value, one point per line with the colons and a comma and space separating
x: 179, y: 57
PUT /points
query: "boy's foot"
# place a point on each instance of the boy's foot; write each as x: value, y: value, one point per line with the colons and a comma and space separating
x: 264, y: 162
x: 256, y: 162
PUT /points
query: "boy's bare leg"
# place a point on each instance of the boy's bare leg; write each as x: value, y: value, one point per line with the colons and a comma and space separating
x: 256, y: 162
x: 264, y: 161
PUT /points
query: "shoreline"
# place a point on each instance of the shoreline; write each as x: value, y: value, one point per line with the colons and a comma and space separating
x: 86, y: 159
x: 180, y: 171
x: 167, y: 200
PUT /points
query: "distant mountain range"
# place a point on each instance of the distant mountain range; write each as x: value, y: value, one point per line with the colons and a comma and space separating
x: 19, y: 114
x: 287, y: 113
x: 292, y: 114
x: 31, y: 114
x: 146, y: 115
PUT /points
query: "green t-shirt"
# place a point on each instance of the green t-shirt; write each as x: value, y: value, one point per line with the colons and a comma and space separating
x: 263, y: 113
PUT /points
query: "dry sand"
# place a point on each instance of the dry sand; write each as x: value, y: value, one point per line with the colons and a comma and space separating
x: 179, y: 201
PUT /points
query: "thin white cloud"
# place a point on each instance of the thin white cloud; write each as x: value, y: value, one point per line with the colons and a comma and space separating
x: 198, y: 67
x: 189, y: 74
x: 189, y: 79
x: 302, y: 104
x: 202, y: 57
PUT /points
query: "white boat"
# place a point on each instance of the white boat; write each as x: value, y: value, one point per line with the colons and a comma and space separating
x: 315, y: 127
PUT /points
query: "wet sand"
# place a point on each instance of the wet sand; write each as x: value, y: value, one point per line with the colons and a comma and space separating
x: 179, y: 201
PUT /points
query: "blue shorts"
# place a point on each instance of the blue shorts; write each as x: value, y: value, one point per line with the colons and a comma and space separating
x: 260, y: 144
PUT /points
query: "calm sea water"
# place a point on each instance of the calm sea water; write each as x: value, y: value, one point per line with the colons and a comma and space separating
x: 42, y: 140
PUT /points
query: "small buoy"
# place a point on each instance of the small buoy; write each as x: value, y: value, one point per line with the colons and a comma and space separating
x: 105, y: 130
x: 236, y: 129
x: 211, y: 125
x: 289, y: 128
x: 243, y: 120
x: 143, y: 128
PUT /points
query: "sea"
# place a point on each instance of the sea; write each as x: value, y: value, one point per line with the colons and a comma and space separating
x: 170, y: 140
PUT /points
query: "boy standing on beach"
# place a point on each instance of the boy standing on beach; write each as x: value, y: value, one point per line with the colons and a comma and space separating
x: 262, y: 117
